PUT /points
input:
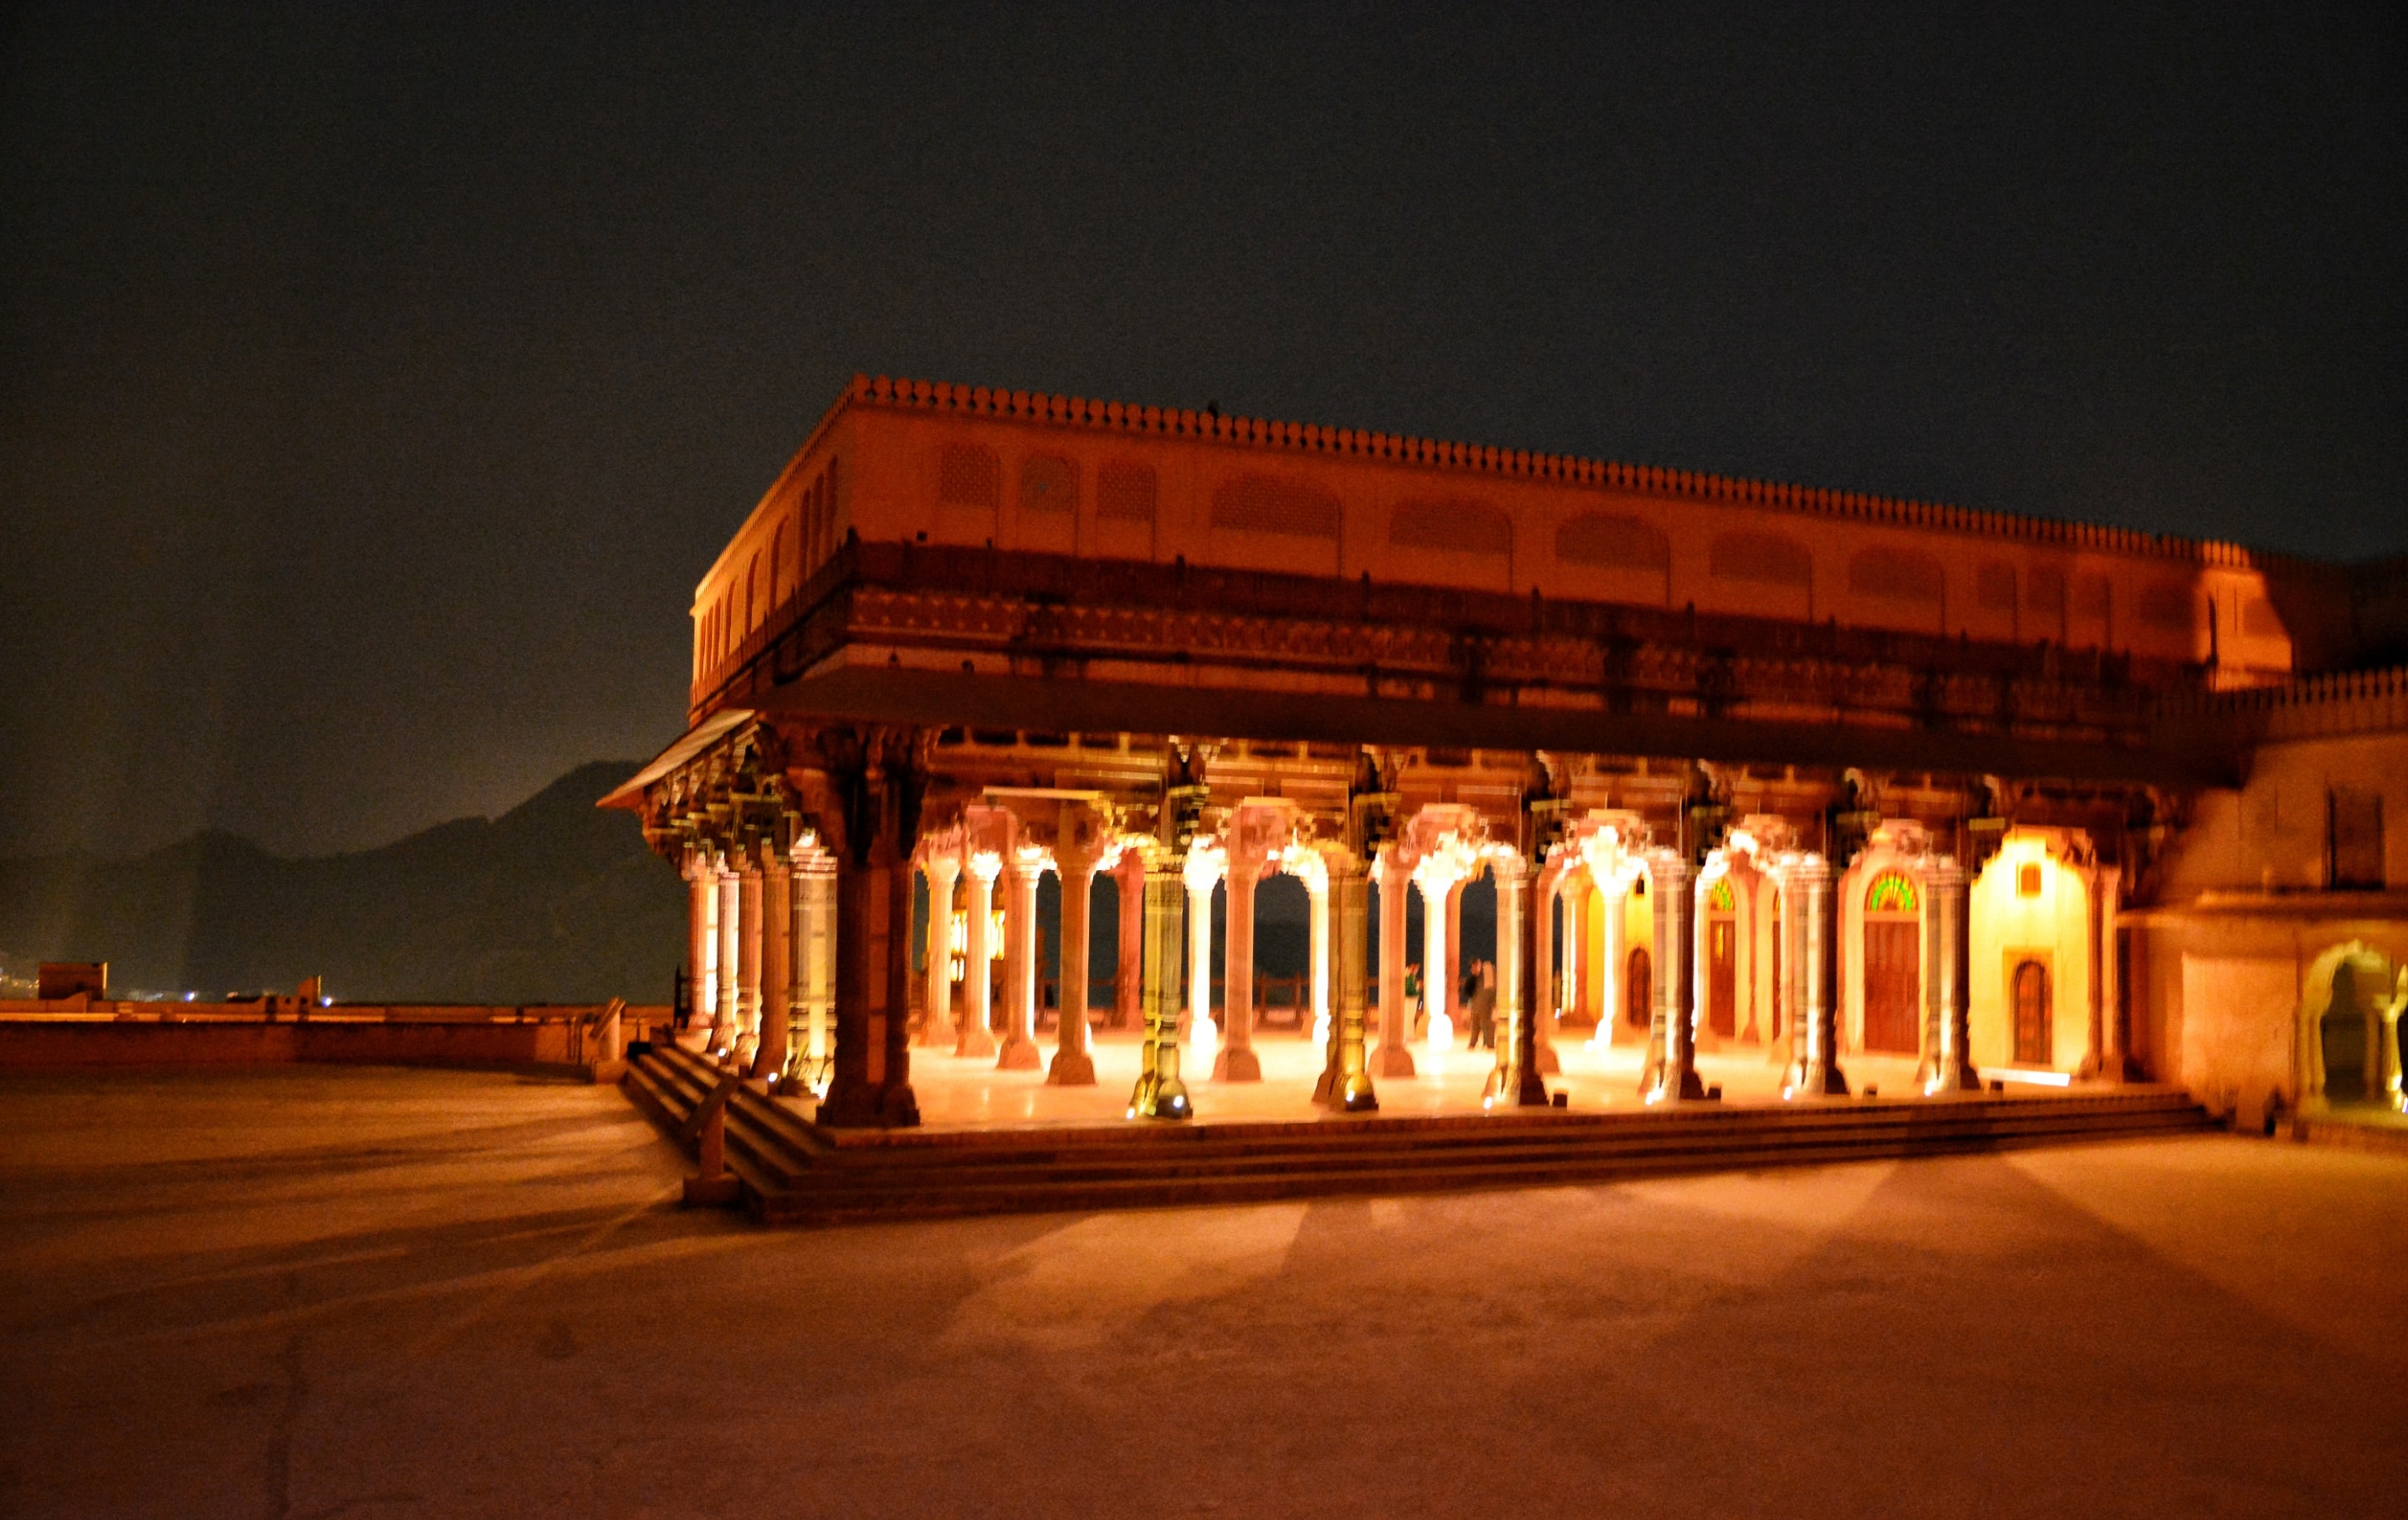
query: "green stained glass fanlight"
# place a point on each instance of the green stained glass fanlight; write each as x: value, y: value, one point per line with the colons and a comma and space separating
x: 1718, y: 897
x: 1891, y: 894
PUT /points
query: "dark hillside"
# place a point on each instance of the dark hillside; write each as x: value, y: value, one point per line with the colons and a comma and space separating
x: 555, y: 900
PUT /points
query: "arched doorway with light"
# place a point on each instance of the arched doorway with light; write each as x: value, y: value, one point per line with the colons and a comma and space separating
x: 1893, y: 965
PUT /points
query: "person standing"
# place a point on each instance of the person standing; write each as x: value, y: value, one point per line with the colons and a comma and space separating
x: 1481, y: 1012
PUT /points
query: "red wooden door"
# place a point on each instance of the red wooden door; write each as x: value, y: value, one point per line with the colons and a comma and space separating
x: 1639, y: 990
x: 1722, y: 979
x: 2032, y: 1033
x: 1892, y: 986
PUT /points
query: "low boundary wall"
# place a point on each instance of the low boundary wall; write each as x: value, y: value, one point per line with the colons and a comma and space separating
x: 586, y: 1039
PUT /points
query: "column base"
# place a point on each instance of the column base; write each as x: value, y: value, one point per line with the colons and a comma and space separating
x: 1833, y: 1082
x: 1549, y: 1063
x: 1393, y: 1060
x: 2108, y: 1072
x: 974, y: 1041
x: 1662, y: 1082
x: 1963, y: 1079
x: 1346, y: 1096
x: 1238, y: 1065
x: 898, y: 1107
x: 933, y: 1036
x: 1155, y: 1098
x: 1072, y: 1068
x: 1506, y: 1090
x: 1019, y: 1053
x: 854, y: 1109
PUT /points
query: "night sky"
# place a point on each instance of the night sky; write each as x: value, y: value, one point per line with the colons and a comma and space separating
x: 376, y: 381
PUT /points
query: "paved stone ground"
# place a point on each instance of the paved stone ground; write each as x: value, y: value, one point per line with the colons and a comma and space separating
x: 336, y: 1293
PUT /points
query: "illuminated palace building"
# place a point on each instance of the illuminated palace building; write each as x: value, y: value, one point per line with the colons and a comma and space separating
x: 1295, y: 757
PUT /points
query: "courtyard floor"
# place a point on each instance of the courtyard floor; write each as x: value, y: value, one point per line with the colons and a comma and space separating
x: 362, y: 1293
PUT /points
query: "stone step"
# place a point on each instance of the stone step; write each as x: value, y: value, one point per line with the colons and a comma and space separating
x: 1304, y: 1158
x: 1302, y: 1164
x: 670, y: 1082
x: 1358, y: 1136
x: 973, y: 1195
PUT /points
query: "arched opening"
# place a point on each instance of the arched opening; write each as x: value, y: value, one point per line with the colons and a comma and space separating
x: 1476, y: 990
x: 2035, y: 1015
x: 1282, y: 954
x: 1722, y: 961
x: 1216, y: 924
x: 1103, y: 941
x: 1893, y: 965
x: 1045, y: 943
x: 2341, y: 1036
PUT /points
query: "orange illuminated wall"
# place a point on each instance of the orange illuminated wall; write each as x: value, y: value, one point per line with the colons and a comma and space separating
x: 913, y: 461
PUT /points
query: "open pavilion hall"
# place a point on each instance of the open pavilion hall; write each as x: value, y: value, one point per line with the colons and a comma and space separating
x: 1327, y: 771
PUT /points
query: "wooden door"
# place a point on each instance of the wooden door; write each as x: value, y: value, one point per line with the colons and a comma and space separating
x: 2032, y: 1015
x: 1722, y: 978
x: 1637, y: 991
x: 1892, y: 986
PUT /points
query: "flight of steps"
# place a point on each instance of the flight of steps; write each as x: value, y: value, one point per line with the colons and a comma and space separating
x: 791, y: 1172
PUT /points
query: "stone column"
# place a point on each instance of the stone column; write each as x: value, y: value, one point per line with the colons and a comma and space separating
x: 1435, y: 944
x: 808, y: 1063
x: 1515, y: 1083
x: 1128, y: 974
x: 1546, y: 1018
x: 748, y: 964
x: 1198, y: 875
x: 936, y: 997
x: 976, y: 1036
x: 1019, y: 1052
x: 852, y: 1098
x: 1160, y: 1093
x: 1671, y: 1072
x: 1946, y: 1067
x: 1074, y: 1061
x: 898, y: 1104
x: 871, y: 1084
x: 2103, y: 1061
x: 1452, y: 1003
x: 1237, y: 1061
x: 777, y: 964
x: 1814, y: 931
x: 1613, y: 960
x: 1346, y: 1079
x: 1394, y: 1058
x: 702, y: 943
x: 730, y: 1022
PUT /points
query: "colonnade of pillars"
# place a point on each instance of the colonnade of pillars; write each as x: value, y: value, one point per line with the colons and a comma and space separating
x: 765, y: 951
x: 762, y: 951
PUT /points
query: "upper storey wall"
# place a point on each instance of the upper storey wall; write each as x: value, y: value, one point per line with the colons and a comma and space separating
x: 906, y: 462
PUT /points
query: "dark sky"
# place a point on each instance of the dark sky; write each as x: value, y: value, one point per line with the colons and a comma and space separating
x: 376, y: 380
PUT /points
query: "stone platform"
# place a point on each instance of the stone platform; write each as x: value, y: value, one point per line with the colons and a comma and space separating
x: 1004, y: 1142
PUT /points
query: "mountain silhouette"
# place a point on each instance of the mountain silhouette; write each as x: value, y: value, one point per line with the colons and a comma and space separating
x: 553, y: 901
